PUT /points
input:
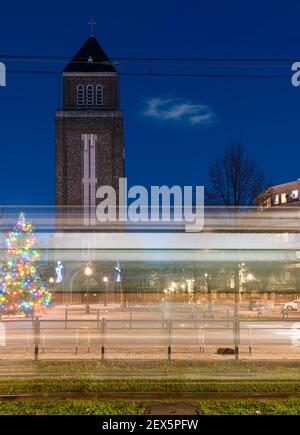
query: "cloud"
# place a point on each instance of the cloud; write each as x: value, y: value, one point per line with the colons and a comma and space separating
x: 177, y: 109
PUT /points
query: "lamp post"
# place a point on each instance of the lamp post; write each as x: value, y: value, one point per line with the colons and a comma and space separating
x: 88, y: 273
x: 51, y: 281
x: 105, y: 280
x: 208, y: 287
x: 236, y: 290
x: 171, y: 289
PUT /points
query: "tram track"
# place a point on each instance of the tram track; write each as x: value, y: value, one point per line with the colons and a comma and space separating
x: 145, y: 397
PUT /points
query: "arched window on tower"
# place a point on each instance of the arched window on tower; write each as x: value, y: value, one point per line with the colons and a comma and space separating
x: 99, y: 95
x: 90, y: 95
x: 80, y: 95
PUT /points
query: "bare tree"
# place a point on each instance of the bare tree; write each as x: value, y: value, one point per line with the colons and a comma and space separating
x: 235, y: 179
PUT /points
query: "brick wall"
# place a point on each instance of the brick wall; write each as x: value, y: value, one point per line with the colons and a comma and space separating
x: 72, y: 122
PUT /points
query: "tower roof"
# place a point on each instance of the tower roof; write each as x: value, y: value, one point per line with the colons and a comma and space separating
x: 90, y: 58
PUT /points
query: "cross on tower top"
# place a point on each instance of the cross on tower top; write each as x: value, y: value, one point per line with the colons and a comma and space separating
x: 92, y: 24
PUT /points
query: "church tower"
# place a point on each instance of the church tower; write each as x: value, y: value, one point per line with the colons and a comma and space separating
x: 89, y: 130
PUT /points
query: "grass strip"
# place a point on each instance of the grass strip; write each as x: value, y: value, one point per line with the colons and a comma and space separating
x: 100, y: 407
x: 143, y: 367
x: 88, y: 385
x: 250, y: 407
x: 69, y: 407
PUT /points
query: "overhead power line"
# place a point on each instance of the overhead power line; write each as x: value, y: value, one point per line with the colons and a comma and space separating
x: 166, y: 74
x: 156, y: 59
x: 208, y: 67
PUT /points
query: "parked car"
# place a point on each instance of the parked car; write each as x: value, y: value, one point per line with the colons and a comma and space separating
x: 294, y: 305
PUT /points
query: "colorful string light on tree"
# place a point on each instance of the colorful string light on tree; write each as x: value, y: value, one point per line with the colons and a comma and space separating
x: 22, y: 291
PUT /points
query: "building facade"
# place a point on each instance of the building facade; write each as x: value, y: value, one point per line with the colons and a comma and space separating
x: 287, y: 194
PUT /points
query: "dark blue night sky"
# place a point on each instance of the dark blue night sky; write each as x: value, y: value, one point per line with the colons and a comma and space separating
x: 174, y: 126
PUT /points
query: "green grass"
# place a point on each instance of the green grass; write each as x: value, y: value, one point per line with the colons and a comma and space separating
x: 79, y: 383
x: 250, y: 407
x: 90, y: 385
x: 100, y: 407
x: 69, y: 407
x: 170, y: 368
x: 270, y: 368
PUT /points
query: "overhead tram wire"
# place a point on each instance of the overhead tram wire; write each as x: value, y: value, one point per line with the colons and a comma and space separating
x: 167, y: 63
x: 196, y: 61
x: 166, y: 74
x: 149, y: 58
x: 185, y: 62
x: 207, y: 75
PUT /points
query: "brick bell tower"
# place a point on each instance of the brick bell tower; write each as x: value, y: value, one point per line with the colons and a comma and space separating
x: 89, y: 130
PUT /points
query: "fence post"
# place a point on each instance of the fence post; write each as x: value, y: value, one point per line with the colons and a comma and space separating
x: 27, y: 341
x: 250, y: 340
x: 201, y: 339
x: 89, y: 340
x: 43, y: 342
x: 76, y: 342
x: 194, y: 314
x: 201, y: 313
x: 103, y: 331
x: 130, y: 319
x: 236, y: 334
x: 36, y: 331
x: 66, y: 318
x: 169, y: 339
x: 98, y: 318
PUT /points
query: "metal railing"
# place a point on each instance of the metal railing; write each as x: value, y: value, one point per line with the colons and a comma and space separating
x: 95, y: 338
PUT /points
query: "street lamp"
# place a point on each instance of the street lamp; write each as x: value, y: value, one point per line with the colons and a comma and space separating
x: 88, y: 272
x: 250, y: 278
x: 105, y: 280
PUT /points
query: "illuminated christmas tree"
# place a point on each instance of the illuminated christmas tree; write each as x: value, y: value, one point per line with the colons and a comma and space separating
x: 22, y: 291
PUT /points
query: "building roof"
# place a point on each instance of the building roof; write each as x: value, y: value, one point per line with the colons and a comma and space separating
x: 287, y: 186
x: 279, y: 188
x: 90, y: 58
